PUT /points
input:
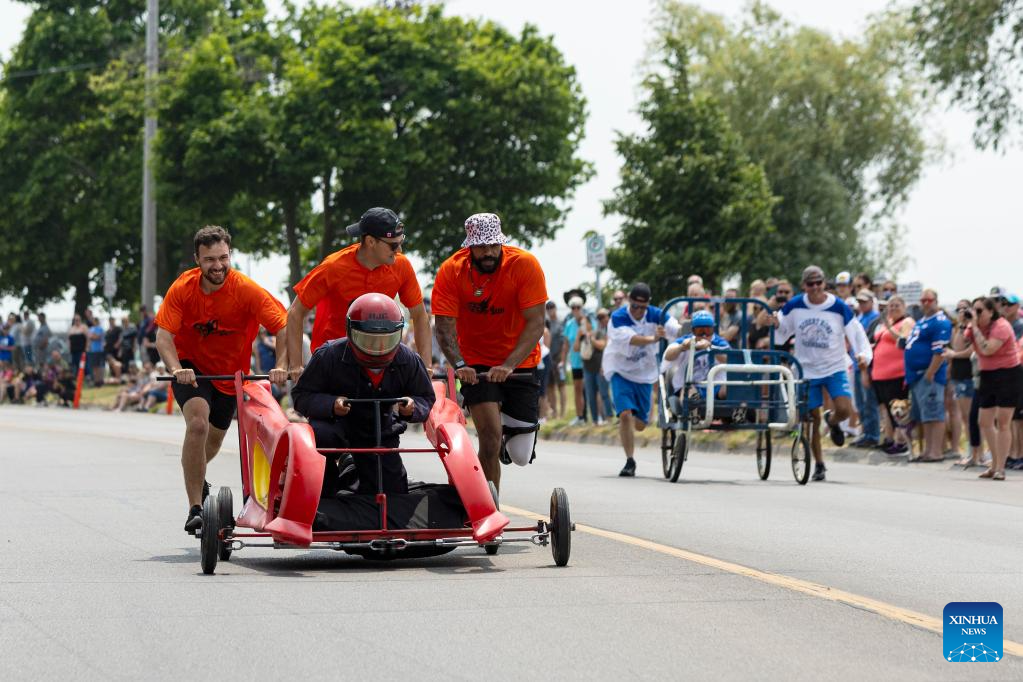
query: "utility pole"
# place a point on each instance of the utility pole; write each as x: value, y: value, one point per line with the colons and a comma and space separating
x: 148, y: 184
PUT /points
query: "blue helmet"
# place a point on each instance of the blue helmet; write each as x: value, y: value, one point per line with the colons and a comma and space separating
x: 702, y: 318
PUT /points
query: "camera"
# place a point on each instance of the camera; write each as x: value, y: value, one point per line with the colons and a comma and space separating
x: 967, y: 314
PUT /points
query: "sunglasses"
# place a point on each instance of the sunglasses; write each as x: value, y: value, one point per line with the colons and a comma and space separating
x: 888, y: 289
x: 702, y: 331
x: 928, y: 300
x: 814, y: 283
x: 394, y: 245
x: 577, y: 307
x: 639, y: 305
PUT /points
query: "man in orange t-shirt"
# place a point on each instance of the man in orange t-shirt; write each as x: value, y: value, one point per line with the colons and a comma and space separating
x: 207, y: 323
x: 374, y: 265
x: 488, y: 301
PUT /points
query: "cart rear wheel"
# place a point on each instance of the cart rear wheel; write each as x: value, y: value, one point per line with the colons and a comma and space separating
x: 210, y: 540
x: 225, y: 501
x: 492, y: 549
x: 801, y: 458
x: 667, y: 445
x: 764, y: 454
x: 561, y: 527
x: 679, y: 453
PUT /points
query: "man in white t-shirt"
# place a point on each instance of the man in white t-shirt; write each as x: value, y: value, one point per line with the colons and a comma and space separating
x: 630, y: 365
x: 821, y: 324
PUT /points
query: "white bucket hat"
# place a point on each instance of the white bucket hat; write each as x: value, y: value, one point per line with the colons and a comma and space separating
x: 482, y: 229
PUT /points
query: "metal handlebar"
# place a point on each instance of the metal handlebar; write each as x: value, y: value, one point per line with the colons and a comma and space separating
x: 219, y: 377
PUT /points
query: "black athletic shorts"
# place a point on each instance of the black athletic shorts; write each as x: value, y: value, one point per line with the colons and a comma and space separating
x: 888, y: 390
x: 1000, y: 387
x: 222, y: 405
x: 577, y: 374
x: 519, y: 398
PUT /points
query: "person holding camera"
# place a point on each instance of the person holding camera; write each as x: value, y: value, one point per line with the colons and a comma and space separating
x: 1001, y: 382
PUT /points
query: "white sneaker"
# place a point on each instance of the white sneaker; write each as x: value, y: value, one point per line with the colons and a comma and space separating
x: 578, y: 421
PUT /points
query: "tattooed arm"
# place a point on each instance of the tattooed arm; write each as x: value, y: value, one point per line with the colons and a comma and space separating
x: 447, y: 338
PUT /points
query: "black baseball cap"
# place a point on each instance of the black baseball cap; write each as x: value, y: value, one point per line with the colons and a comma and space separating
x: 640, y: 292
x: 377, y: 222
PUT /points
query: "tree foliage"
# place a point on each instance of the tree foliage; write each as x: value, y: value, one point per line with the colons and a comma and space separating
x: 438, y: 117
x: 833, y: 122
x: 974, y: 51
x: 691, y: 199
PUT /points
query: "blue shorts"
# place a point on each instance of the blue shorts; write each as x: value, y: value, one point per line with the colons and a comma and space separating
x: 928, y: 401
x: 837, y: 385
x: 628, y: 395
x: 963, y: 388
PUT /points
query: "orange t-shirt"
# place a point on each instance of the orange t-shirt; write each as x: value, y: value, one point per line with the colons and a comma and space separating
x: 340, y: 278
x: 489, y: 324
x: 215, y: 331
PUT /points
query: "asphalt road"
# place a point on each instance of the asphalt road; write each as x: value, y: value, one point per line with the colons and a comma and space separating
x: 720, y: 576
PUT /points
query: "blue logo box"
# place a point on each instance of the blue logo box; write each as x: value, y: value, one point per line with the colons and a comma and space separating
x: 972, y: 631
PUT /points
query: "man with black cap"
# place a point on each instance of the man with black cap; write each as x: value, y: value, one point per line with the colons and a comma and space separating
x: 630, y: 365
x: 374, y: 265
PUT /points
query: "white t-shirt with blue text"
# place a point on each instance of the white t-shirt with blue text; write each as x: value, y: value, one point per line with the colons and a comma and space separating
x: 638, y: 364
x: 821, y: 332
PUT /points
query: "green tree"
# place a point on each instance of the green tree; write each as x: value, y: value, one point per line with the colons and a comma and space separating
x: 833, y: 122
x: 974, y: 52
x: 691, y: 199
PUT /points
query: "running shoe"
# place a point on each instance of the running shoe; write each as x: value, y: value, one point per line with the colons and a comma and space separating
x: 629, y: 469
x: 837, y: 436
x: 818, y: 471
x: 897, y: 449
x: 867, y: 443
x: 194, y: 521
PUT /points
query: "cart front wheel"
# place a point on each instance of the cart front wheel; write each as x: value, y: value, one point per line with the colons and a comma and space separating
x: 209, y: 543
x: 679, y: 453
x: 764, y: 454
x: 668, y: 437
x: 225, y: 501
x: 801, y: 458
x: 561, y: 527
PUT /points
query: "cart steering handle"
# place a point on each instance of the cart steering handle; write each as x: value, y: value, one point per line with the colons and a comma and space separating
x: 220, y: 377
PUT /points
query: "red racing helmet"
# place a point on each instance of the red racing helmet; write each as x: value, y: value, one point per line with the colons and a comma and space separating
x: 374, y: 327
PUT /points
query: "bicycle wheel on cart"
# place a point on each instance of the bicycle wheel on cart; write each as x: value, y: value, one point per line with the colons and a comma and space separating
x: 679, y: 453
x: 764, y: 454
x: 667, y: 445
x: 801, y: 456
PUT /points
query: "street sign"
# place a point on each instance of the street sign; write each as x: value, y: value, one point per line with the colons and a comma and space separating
x: 596, y: 254
x: 910, y: 292
x: 109, y: 280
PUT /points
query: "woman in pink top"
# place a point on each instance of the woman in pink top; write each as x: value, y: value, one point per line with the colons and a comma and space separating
x: 1000, y: 379
x: 888, y: 371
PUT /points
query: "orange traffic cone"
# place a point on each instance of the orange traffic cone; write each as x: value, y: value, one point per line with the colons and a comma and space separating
x: 170, y: 397
x: 80, y: 381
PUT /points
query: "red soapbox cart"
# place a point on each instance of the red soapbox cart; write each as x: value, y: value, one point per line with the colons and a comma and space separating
x: 282, y: 473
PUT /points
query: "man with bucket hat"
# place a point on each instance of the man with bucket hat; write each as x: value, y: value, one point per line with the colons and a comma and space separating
x: 488, y: 301
x: 374, y: 265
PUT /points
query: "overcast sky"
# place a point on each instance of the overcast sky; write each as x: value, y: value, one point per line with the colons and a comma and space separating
x: 962, y: 219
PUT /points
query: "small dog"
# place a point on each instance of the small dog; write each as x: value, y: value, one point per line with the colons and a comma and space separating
x: 902, y: 411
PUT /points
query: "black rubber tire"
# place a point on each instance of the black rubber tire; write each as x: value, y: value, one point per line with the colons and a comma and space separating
x: 492, y: 549
x: 801, y: 458
x: 225, y: 501
x: 764, y: 454
x: 667, y: 444
x: 209, y: 543
x: 561, y: 527
x: 679, y: 453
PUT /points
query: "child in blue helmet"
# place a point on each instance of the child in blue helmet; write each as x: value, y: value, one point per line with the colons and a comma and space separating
x: 676, y: 356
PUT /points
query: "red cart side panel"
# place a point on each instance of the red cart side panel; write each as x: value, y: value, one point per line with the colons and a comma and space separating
x: 303, y: 480
x: 445, y: 411
x: 465, y: 473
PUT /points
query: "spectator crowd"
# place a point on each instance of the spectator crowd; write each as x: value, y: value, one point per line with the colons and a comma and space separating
x: 945, y: 377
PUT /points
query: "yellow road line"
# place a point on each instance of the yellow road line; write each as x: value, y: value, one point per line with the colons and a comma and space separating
x: 812, y: 589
